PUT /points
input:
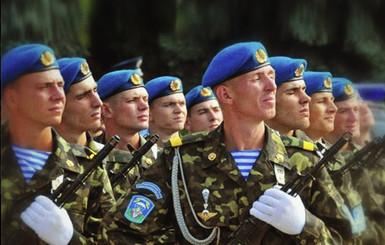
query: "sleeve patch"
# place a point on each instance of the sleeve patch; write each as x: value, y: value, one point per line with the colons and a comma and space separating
x: 138, y: 209
x: 154, y: 188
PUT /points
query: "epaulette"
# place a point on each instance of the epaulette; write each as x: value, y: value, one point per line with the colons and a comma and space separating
x: 186, y: 139
x: 290, y: 141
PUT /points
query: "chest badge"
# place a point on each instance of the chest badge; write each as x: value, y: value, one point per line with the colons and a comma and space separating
x: 205, y: 214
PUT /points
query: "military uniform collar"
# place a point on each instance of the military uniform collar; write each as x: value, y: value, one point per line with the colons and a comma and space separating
x: 216, y: 155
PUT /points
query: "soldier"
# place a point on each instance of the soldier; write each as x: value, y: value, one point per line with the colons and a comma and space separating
x: 292, y: 101
x: 125, y: 112
x: 203, y: 111
x: 216, y: 193
x: 167, y: 107
x: 322, y: 114
x: 34, y: 157
x: 81, y: 115
x: 292, y: 117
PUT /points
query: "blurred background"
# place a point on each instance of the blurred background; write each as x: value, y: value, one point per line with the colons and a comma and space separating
x: 180, y: 37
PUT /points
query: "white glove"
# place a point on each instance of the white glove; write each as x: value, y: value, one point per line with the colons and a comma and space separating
x: 281, y: 210
x: 51, y: 223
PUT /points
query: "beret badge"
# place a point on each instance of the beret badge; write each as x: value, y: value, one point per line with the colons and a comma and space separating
x: 136, y: 79
x: 47, y: 59
x: 261, y: 56
x: 328, y: 82
x: 348, y: 89
x: 299, y: 71
x: 84, y: 68
x: 205, y: 92
x: 175, y: 85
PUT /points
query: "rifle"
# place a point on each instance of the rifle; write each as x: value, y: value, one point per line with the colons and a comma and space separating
x: 253, y: 230
x: 122, y: 173
x: 68, y: 187
x: 370, y: 153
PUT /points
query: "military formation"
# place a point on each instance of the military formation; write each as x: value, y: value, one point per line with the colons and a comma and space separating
x: 263, y: 151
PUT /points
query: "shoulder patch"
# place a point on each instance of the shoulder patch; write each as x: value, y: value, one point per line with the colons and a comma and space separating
x: 290, y: 141
x: 191, y: 138
x: 138, y: 209
x: 154, y: 188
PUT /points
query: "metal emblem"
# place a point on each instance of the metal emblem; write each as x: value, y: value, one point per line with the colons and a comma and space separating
x: 328, y: 82
x: 261, y: 56
x: 205, y: 92
x: 47, y: 58
x: 136, y: 79
x: 212, y: 156
x: 175, y: 85
x: 205, y: 214
x: 299, y: 71
x: 348, y: 89
x: 84, y: 68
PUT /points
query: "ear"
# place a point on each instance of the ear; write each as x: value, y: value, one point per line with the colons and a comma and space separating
x: 10, y: 97
x: 150, y: 116
x: 187, y: 124
x: 223, y: 94
x: 107, y: 111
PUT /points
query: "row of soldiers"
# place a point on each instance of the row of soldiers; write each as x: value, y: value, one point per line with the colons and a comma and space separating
x: 252, y: 125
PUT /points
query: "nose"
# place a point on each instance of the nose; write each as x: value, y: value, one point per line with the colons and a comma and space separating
x: 143, y: 105
x: 96, y: 102
x: 305, y: 99
x: 58, y: 92
x: 332, y: 107
x: 270, y: 84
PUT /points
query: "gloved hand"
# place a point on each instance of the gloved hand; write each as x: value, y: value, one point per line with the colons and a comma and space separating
x: 51, y: 223
x: 281, y: 210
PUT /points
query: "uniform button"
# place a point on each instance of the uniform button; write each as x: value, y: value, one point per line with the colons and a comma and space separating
x: 212, y: 156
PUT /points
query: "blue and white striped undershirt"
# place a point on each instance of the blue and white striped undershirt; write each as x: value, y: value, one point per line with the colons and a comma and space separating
x: 30, y: 160
x: 245, y: 160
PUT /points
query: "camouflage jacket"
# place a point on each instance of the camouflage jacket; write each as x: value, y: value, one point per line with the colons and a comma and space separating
x: 118, y: 158
x: 17, y: 194
x: 372, y: 204
x: 363, y: 229
x: 145, y: 214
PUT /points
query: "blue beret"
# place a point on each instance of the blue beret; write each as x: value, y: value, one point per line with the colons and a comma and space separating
x: 287, y: 69
x: 371, y: 91
x: 234, y: 61
x: 73, y: 70
x: 199, y: 94
x: 26, y: 59
x: 163, y: 86
x: 118, y: 81
x: 343, y: 89
x: 317, y: 81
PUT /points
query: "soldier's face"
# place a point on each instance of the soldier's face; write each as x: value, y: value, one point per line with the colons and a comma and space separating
x: 37, y: 98
x: 292, y: 106
x: 347, y: 117
x: 253, y: 94
x: 82, y: 110
x: 168, y: 113
x: 129, y: 110
x: 322, y: 113
x: 205, y: 116
x: 366, y: 117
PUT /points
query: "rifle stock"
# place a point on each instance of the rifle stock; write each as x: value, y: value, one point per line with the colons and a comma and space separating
x: 61, y: 195
x: 253, y: 230
x: 134, y: 160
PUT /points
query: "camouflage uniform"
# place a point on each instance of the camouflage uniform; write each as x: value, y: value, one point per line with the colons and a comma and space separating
x: 300, y: 147
x: 207, y: 164
x: 118, y: 158
x: 364, y: 231
x: 373, y: 208
x: 17, y: 195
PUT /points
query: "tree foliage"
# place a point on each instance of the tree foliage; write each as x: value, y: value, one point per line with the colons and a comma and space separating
x: 179, y: 37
